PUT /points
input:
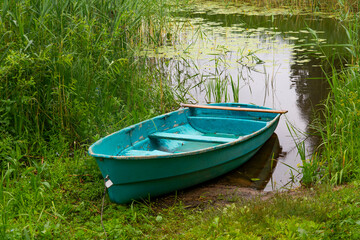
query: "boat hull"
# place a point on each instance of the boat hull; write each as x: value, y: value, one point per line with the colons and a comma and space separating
x: 124, y: 193
x: 141, y: 177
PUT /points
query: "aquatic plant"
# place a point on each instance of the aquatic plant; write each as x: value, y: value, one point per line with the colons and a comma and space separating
x: 310, y: 5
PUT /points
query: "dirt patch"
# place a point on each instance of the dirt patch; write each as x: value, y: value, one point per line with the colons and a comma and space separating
x: 210, y: 194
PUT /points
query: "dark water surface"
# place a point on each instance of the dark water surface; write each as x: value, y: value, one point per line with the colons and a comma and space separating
x: 272, y: 60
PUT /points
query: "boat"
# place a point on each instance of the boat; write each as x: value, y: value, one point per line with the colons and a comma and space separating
x: 181, y: 148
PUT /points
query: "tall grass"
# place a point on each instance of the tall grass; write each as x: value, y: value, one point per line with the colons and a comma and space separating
x: 339, y: 157
x: 68, y: 75
x: 67, y: 66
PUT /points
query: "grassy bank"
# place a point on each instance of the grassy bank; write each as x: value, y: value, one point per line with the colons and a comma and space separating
x: 69, y: 208
x: 68, y: 75
x: 320, y: 213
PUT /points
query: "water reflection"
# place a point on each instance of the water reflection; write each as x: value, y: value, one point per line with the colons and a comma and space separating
x: 257, y: 172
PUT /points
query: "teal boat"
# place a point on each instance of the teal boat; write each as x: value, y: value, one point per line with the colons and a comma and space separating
x: 182, y: 148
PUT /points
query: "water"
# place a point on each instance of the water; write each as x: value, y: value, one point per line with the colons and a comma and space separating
x: 224, y: 55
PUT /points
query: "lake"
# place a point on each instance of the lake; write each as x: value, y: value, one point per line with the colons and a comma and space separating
x: 232, y: 52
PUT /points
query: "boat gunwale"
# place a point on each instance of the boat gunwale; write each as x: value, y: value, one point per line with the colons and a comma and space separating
x: 175, y: 155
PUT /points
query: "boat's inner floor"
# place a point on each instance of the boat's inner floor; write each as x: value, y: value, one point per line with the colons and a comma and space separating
x: 197, y: 133
x: 177, y: 140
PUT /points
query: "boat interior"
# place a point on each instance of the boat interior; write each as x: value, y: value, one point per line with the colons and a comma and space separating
x: 200, y: 129
x: 184, y: 130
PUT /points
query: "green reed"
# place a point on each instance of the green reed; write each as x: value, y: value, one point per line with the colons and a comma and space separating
x: 68, y: 66
x: 340, y: 131
x: 235, y: 87
x: 338, y: 159
x: 220, y: 85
